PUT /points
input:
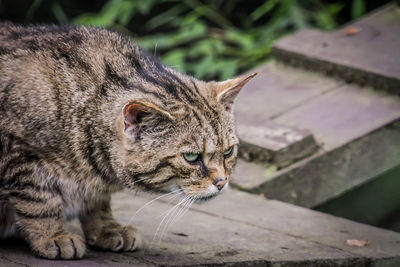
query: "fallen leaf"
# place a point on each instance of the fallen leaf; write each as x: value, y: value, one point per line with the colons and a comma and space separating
x: 357, y: 242
x: 352, y: 30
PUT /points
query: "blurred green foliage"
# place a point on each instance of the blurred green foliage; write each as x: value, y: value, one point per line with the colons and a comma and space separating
x: 211, y: 39
x: 196, y: 37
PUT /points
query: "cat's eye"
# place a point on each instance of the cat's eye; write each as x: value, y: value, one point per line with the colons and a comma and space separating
x: 228, y: 152
x: 191, y: 157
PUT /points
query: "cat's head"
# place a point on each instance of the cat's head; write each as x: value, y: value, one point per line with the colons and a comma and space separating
x: 184, y: 143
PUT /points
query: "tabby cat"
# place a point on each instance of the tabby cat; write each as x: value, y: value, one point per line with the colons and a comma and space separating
x: 84, y: 113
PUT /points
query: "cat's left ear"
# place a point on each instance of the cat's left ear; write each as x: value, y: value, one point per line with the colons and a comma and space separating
x: 228, y: 90
x: 140, y: 113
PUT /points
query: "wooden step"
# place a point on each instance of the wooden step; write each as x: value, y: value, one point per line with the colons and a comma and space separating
x: 274, y: 91
x: 356, y: 129
x: 366, y: 51
x: 237, y: 229
x: 270, y: 143
x: 326, y: 174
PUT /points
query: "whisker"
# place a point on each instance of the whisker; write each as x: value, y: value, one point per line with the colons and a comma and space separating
x: 193, y: 199
x: 185, y: 206
x: 163, y: 219
x: 141, y: 180
x: 176, y: 192
x: 155, y: 49
x: 172, y: 198
x: 173, y: 216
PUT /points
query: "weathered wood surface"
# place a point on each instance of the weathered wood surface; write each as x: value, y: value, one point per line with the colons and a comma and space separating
x: 344, y: 120
x: 344, y: 114
x: 278, y: 88
x: 355, y: 128
x: 238, y: 229
x: 325, y: 175
x: 366, y: 51
x: 279, y: 145
x: 275, y: 90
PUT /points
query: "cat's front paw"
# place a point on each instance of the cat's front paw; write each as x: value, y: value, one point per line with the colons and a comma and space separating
x: 116, y: 239
x: 62, y: 246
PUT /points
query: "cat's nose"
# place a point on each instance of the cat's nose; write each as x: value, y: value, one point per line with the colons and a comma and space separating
x: 220, y: 182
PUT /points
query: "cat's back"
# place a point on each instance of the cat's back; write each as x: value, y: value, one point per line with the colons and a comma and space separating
x: 41, y: 38
x: 58, y: 47
x: 48, y: 73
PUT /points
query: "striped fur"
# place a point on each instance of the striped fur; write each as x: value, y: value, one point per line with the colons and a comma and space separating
x: 84, y: 113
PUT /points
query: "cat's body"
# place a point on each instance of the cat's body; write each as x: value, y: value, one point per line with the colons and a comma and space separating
x: 85, y: 113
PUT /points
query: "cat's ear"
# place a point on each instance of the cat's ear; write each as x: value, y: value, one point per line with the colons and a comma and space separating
x: 228, y: 90
x: 136, y: 113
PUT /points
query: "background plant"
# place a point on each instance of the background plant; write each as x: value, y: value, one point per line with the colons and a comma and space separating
x: 211, y: 39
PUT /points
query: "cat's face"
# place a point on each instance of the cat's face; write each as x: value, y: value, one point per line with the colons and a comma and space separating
x: 188, y: 147
x: 204, y: 156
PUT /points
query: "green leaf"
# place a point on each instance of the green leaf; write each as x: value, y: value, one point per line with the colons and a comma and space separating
x: 167, y: 16
x: 228, y: 68
x: 175, y: 59
x: 297, y: 15
x: 145, y: 6
x: 149, y: 42
x: 357, y: 9
x: 32, y: 9
x: 263, y: 9
x: 126, y: 12
x: 245, y: 40
x: 202, y: 68
x: 59, y: 13
x: 107, y: 16
x: 326, y: 18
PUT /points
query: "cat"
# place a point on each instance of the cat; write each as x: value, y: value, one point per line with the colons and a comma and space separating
x: 84, y: 112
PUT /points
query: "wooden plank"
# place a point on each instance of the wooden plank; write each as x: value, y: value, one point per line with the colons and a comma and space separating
x: 275, y: 90
x: 343, y: 115
x: 266, y: 142
x: 306, y: 224
x: 249, y: 175
x: 366, y: 52
x: 326, y: 175
x: 347, y: 123
x: 278, y: 88
x: 201, y: 237
x: 235, y: 228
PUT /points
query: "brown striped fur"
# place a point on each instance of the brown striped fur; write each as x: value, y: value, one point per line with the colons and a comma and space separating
x: 84, y: 113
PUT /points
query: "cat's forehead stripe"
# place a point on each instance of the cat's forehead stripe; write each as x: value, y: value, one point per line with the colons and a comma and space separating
x: 181, y: 87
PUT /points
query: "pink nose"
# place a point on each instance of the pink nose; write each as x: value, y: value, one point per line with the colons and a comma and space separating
x: 220, y: 182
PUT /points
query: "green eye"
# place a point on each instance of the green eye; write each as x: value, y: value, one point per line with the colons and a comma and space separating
x: 191, y: 157
x: 228, y: 152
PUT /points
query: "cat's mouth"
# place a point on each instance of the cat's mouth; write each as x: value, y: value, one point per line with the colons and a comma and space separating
x: 206, y: 195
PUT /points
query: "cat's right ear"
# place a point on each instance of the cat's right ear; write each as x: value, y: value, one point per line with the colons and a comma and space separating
x: 228, y: 90
x: 137, y: 112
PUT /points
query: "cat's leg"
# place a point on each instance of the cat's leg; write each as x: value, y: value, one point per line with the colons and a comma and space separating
x: 102, y: 231
x: 38, y: 211
x: 7, y: 226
